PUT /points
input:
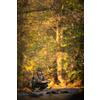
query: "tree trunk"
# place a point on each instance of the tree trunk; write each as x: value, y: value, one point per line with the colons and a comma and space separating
x: 59, y: 68
x: 59, y: 61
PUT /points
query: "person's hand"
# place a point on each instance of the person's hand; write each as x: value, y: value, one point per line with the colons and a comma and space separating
x: 49, y: 81
x: 46, y: 81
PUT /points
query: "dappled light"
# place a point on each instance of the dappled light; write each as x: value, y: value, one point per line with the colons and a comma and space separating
x: 50, y: 35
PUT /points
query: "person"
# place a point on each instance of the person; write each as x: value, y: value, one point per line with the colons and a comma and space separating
x: 39, y: 80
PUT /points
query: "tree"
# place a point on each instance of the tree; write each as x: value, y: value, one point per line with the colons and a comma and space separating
x: 48, y: 31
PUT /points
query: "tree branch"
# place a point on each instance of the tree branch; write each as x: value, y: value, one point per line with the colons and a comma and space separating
x: 33, y: 11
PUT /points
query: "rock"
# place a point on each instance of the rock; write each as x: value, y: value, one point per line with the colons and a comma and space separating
x: 41, y: 94
x: 19, y: 90
x: 27, y: 90
x: 66, y: 91
x: 49, y: 92
x: 53, y: 92
x: 50, y: 88
x: 75, y: 93
x: 33, y: 95
x: 46, y: 90
x: 80, y: 90
x: 70, y: 91
x: 58, y: 91
x: 37, y: 90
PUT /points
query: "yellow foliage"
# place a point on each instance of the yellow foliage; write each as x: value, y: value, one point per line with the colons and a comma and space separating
x: 51, y: 20
x: 71, y: 65
x: 73, y: 72
x: 58, y: 19
x: 63, y: 45
x: 66, y: 24
x: 25, y: 56
x: 55, y: 85
x: 27, y: 90
x: 29, y: 21
x: 64, y: 58
x: 50, y: 84
x: 63, y: 85
x: 30, y: 31
x: 28, y: 67
x: 66, y: 71
x: 73, y: 36
x: 68, y: 80
x: 26, y: 25
x: 31, y: 45
x: 48, y: 22
x: 69, y: 84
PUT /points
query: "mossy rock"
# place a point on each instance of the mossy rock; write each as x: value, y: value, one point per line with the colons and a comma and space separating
x: 58, y: 91
x: 80, y: 90
x: 27, y: 90
x: 54, y: 92
x: 65, y: 91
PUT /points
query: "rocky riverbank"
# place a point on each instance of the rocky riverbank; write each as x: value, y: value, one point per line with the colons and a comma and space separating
x: 52, y: 94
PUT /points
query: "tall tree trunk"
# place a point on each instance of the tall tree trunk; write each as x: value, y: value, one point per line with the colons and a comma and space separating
x: 59, y: 61
x: 59, y: 68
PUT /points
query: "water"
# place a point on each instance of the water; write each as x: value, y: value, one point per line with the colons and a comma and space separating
x: 43, y: 96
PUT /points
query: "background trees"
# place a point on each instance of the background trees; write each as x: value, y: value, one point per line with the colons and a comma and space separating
x: 51, y: 35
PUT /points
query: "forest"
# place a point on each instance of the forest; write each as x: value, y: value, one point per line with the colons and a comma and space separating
x: 50, y: 35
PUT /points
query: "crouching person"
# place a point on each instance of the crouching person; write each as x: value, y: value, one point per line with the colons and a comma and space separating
x: 39, y: 80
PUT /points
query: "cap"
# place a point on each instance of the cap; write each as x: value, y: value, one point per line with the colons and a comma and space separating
x: 40, y: 69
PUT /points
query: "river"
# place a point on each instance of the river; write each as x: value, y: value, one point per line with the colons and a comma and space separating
x: 73, y: 94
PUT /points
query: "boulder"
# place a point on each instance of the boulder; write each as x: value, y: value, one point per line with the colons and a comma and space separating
x: 65, y: 91
x: 27, y: 90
